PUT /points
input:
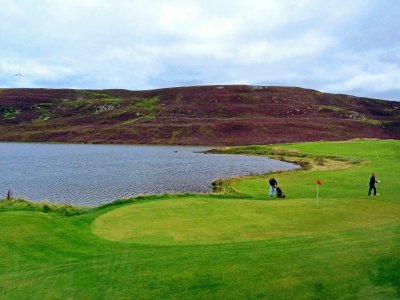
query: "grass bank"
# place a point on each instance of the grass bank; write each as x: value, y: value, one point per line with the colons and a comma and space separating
x: 15, y: 204
x: 222, y: 247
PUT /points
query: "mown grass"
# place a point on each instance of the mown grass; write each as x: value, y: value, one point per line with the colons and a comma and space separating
x: 346, y: 249
x: 190, y: 221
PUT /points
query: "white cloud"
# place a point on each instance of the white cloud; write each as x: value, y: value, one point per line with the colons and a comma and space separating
x: 31, y: 70
x: 148, y: 44
x: 370, y: 70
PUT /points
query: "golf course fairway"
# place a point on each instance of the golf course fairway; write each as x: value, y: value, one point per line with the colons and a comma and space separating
x: 241, y: 245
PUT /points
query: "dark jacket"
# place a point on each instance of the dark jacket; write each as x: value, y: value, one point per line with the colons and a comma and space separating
x: 273, y: 182
x: 372, y: 181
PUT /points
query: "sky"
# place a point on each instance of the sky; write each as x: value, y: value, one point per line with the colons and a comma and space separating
x: 349, y: 47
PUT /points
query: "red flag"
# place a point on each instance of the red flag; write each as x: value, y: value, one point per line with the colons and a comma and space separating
x: 319, y: 182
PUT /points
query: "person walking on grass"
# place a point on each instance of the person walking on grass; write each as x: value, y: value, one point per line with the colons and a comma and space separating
x: 372, y: 186
x: 272, y: 187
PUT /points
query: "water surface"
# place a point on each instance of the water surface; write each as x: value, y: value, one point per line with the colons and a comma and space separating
x: 95, y: 174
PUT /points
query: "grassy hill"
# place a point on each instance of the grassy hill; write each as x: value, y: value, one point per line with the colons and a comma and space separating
x: 241, y: 246
x: 205, y: 115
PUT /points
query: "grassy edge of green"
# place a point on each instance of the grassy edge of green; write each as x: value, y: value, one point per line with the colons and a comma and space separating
x: 67, y: 210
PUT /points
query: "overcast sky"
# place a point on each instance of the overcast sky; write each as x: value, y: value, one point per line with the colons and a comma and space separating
x: 350, y: 47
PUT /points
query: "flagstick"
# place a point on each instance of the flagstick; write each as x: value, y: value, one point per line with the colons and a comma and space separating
x: 317, y: 195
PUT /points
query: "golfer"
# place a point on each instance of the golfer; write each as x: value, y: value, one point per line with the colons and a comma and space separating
x: 372, y: 186
x: 272, y: 187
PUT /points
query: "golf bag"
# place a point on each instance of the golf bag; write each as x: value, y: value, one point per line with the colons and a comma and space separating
x: 279, y: 192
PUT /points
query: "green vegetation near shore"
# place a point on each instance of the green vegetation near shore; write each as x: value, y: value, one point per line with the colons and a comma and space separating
x: 23, y: 205
x: 242, y: 246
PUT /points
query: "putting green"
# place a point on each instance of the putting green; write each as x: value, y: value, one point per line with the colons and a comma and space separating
x: 212, y: 221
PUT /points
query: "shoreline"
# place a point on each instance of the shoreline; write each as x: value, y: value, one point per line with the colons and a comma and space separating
x: 210, y: 169
x: 219, y: 187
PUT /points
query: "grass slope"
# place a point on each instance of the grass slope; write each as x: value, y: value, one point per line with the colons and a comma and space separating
x: 353, y: 255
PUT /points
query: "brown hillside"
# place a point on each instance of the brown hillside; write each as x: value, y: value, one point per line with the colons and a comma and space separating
x: 205, y: 115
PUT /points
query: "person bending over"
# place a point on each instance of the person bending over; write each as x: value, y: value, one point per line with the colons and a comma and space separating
x: 272, y: 187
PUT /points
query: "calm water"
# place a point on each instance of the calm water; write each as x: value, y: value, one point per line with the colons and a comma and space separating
x: 95, y: 174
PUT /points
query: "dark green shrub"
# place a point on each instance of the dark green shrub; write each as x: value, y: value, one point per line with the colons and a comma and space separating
x: 46, y: 208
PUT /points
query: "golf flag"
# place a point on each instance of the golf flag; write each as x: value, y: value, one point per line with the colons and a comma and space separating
x: 318, y: 184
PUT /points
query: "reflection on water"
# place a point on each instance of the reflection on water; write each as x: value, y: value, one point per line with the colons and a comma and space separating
x: 96, y: 174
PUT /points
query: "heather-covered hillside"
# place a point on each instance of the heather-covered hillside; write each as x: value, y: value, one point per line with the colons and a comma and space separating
x: 204, y: 115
